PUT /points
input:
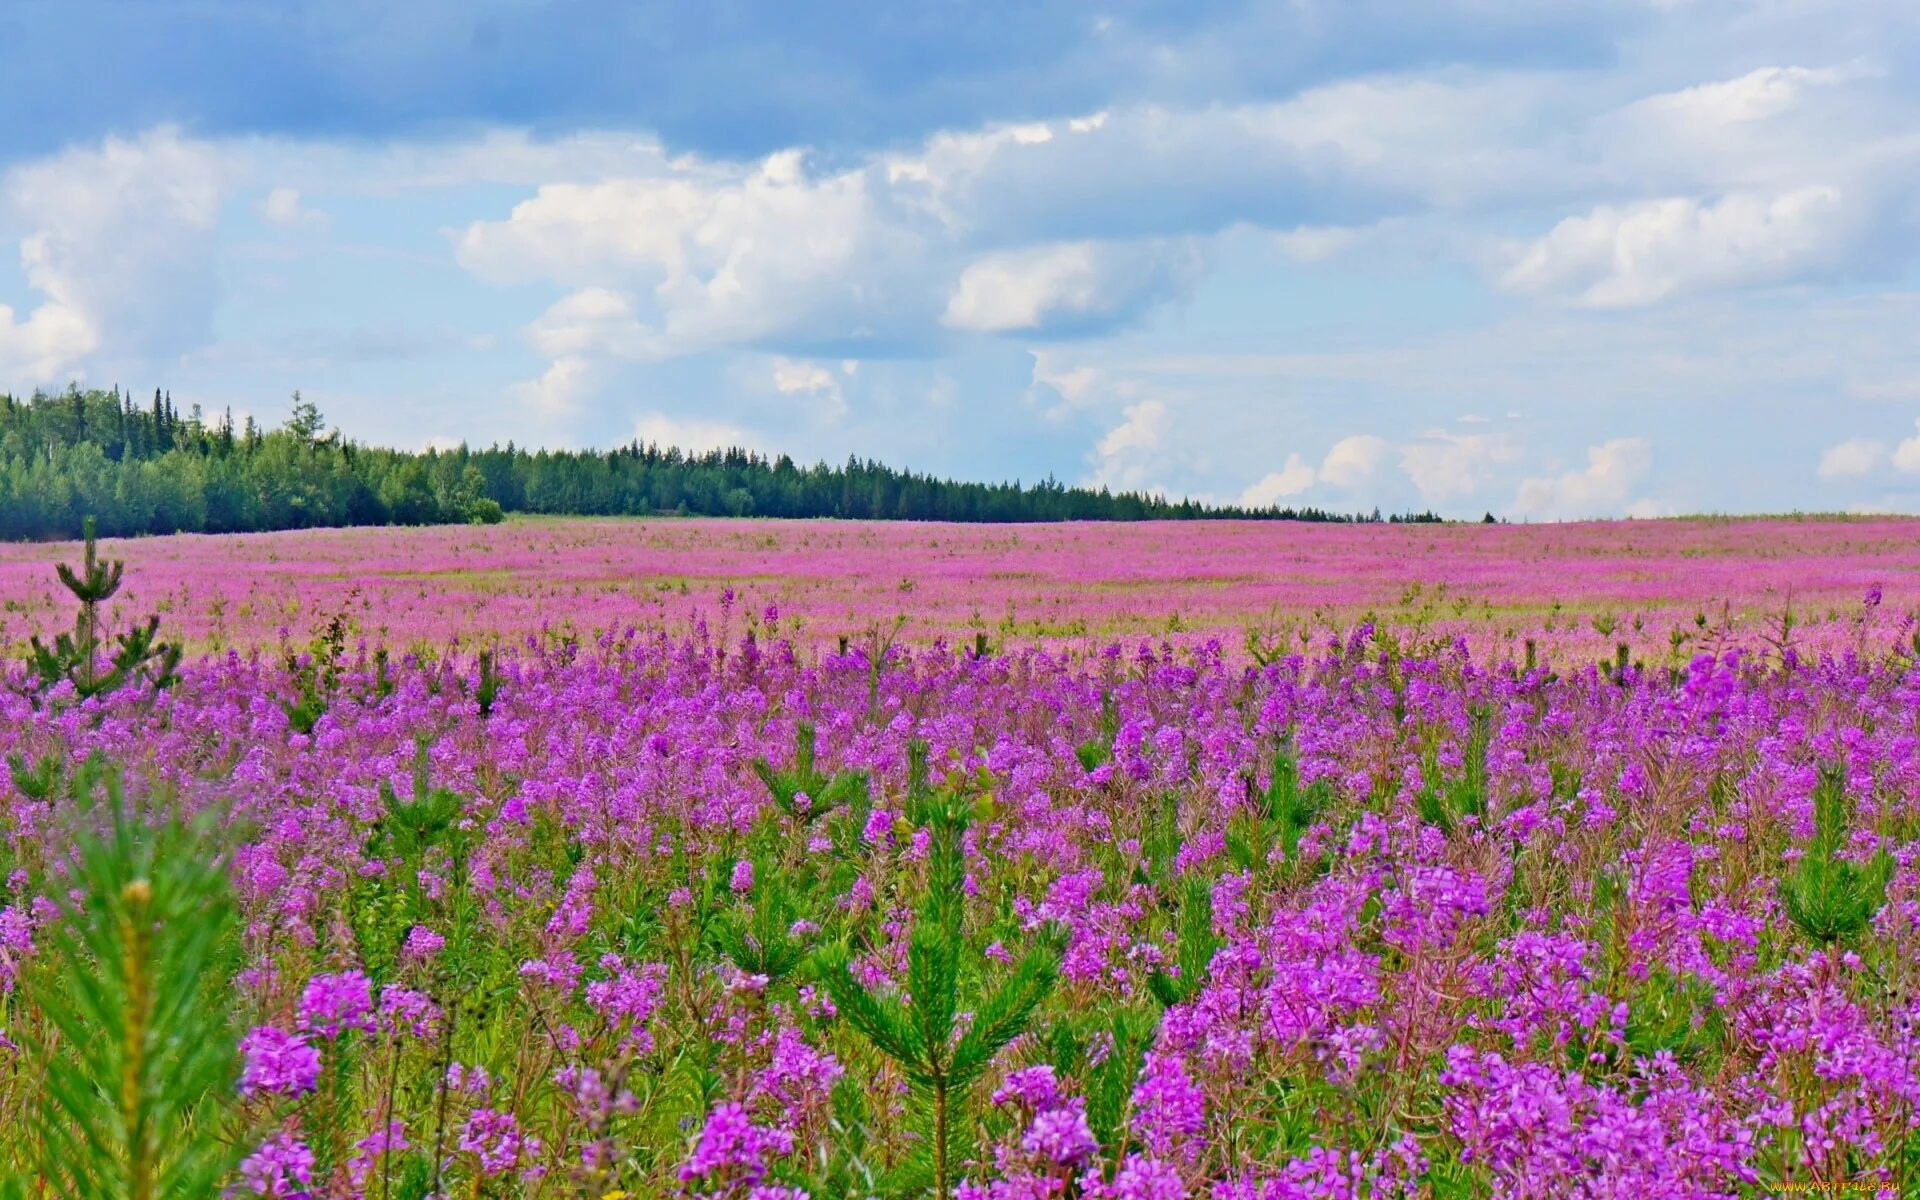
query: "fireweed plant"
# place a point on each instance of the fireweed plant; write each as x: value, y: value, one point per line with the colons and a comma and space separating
x: 708, y: 914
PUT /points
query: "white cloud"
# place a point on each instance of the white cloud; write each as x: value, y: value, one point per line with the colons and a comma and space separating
x: 727, y: 256
x: 1906, y: 456
x: 1126, y: 455
x: 50, y: 341
x: 1613, y: 470
x: 1756, y: 96
x: 120, y: 249
x: 1851, y: 459
x: 695, y: 435
x: 1024, y: 290
x: 1076, y: 385
x: 1621, y: 256
x: 1290, y: 480
x: 1350, y: 462
x: 791, y: 378
x: 1317, y: 243
x: 282, y: 207
x: 1353, y: 461
x: 1446, y: 465
x: 558, y: 390
x: 591, y: 321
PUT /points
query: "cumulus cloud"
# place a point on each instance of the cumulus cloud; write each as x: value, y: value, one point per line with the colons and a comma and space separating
x: 1084, y: 284
x: 1614, y: 469
x: 48, y: 342
x: 283, y: 207
x: 1290, y: 480
x: 1906, y: 456
x: 726, y: 256
x: 692, y: 434
x: 1126, y: 454
x: 119, y: 249
x: 1351, y: 462
x: 1044, y: 229
x: 813, y: 381
x: 1623, y: 256
x: 558, y: 390
x: 1354, y: 461
x: 1851, y: 459
x: 1443, y: 466
x: 590, y: 321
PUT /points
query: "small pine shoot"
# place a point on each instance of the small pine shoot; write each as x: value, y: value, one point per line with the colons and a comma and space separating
x: 924, y: 1037
x: 1828, y: 897
x: 137, y: 1036
x: 823, y: 793
x: 136, y: 654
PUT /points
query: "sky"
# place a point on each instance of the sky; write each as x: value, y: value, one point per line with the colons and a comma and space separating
x: 1551, y: 259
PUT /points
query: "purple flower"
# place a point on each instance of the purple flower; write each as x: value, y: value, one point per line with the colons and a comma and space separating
x: 403, y: 1010
x: 732, y: 1147
x: 390, y: 1139
x: 278, y: 1062
x: 1061, y: 1135
x: 1170, y: 1111
x: 1144, y: 1178
x: 1034, y: 1087
x: 742, y: 877
x: 495, y: 1139
x: 422, y: 944
x: 628, y: 998
x: 282, y: 1166
x: 333, y: 1004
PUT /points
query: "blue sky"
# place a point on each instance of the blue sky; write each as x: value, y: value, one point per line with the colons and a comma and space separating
x: 1552, y: 259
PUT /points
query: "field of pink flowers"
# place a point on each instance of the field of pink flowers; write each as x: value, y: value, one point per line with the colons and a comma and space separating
x: 1582, y: 588
x: 707, y: 904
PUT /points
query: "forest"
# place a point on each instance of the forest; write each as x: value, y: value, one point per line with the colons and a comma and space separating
x: 143, y: 468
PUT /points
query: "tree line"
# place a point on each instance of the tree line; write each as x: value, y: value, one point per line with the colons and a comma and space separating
x: 141, y: 468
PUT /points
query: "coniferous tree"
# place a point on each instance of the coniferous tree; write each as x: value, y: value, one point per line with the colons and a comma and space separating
x: 75, y: 658
x: 149, y: 471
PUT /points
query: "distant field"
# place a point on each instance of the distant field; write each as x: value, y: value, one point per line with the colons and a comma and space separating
x: 1572, y: 588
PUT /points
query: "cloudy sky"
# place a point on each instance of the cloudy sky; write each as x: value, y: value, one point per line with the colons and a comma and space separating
x: 1552, y: 258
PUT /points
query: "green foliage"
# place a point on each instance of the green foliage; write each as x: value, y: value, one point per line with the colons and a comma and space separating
x: 317, y: 675
x: 1194, y: 947
x: 1099, y: 750
x: 38, y: 780
x: 1830, y: 898
x: 757, y: 936
x: 1105, y: 1054
x: 924, y: 1038
x: 1675, y: 1015
x: 157, y: 471
x: 1278, y: 816
x: 137, y: 653
x: 1448, y: 800
x: 138, y: 1041
x: 487, y: 690
x: 824, y: 793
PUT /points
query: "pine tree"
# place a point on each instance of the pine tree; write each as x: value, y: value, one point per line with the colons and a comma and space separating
x: 135, y: 1064
x: 924, y: 1036
x: 75, y: 657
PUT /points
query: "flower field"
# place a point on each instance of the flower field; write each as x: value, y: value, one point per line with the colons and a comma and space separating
x: 1579, y: 588
x: 685, y: 897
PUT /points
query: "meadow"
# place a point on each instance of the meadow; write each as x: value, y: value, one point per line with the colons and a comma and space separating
x: 1579, y: 589
x: 1131, y: 862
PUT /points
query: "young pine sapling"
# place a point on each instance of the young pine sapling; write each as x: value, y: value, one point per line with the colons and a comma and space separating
x: 922, y: 1031
x: 75, y: 657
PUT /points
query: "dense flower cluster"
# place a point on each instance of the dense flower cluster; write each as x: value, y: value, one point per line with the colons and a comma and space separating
x: 1355, y: 922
